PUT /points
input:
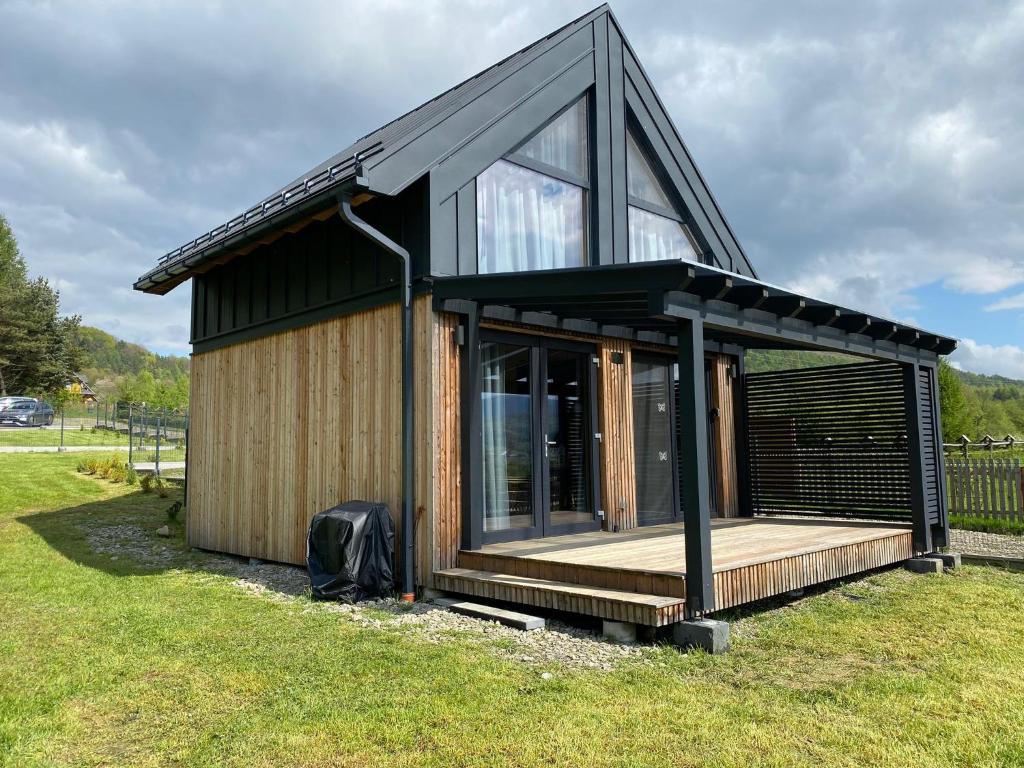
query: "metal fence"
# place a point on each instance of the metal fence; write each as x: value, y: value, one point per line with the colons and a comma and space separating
x: 154, y: 438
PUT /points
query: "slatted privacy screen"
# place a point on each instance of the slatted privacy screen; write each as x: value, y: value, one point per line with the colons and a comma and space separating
x: 829, y: 441
x: 985, y: 488
x: 930, y: 444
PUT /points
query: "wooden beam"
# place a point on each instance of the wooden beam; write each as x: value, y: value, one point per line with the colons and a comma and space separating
x: 693, y: 468
x: 853, y: 322
x: 747, y: 296
x: 784, y: 306
x: 820, y: 314
x: 711, y: 286
x: 882, y: 331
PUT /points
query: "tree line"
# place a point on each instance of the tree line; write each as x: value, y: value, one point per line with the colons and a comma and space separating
x: 40, y: 349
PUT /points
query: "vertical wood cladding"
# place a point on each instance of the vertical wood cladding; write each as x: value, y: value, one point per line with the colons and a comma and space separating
x: 447, y: 463
x: 724, y: 443
x: 287, y: 425
x: 618, y: 468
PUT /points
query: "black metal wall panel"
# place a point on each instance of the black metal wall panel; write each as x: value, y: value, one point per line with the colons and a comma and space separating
x: 829, y: 442
x: 323, y: 269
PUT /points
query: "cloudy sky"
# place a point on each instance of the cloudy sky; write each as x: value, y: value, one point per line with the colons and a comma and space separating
x: 871, y: 152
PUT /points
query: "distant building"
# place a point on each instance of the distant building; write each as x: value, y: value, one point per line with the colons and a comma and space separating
x: 80, y: 388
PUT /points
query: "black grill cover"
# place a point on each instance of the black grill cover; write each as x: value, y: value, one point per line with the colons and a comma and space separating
x: 350, y: 551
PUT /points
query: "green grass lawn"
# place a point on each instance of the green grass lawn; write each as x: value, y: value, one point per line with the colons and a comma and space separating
x: 37, y: 438
x: 34, y: 436
x: 108, y: 662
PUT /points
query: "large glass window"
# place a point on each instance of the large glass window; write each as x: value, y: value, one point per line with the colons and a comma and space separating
x: 507, y: 424
x: 531, y: 207
x: 656, y: 230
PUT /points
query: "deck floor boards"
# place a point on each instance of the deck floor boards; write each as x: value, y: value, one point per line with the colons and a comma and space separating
x: 751, y: 558
x: 661, y: 548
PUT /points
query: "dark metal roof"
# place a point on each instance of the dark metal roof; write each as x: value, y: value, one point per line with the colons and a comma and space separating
x: 644, y: 301
x: 313, y: 189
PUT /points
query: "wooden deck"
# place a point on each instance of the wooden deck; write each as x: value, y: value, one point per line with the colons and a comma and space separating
x: 639, y: 575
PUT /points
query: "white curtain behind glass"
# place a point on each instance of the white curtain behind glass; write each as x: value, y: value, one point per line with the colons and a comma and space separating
x: 563, y: 143
x: 653, y: 237
x: 526, y: 220
x: 495, y: 451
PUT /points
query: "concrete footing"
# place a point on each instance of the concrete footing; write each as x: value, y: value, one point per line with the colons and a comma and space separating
x: 950, y: 560
x: 618, y: 631
x: 706, y: 634
x: 923, y: 565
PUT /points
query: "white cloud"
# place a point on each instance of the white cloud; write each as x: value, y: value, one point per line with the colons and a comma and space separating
x: 860, y: 152
x: 1009, y: 302
x: 1002, y: 360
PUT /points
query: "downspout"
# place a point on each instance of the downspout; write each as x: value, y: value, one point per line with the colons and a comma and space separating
x: 379, y: 238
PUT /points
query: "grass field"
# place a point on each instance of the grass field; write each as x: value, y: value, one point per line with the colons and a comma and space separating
x: 112, y: 662
x: 50, y: 437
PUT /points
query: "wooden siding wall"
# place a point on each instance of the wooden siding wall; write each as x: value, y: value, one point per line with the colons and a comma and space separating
x: 618, y: 468
x: 287, y: 425
x: 446, y: 467
x: 722, y: 386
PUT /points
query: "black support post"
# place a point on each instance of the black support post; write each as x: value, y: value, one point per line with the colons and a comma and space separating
x: 915, y: 440
x: 472, y: 435
x: 693, y: 467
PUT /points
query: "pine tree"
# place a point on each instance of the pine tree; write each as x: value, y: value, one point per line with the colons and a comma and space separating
x: 38, y: 349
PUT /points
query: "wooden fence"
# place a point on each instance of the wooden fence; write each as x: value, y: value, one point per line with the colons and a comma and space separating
x: 986, y: 487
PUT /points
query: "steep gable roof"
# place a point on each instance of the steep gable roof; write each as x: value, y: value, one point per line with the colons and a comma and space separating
x: 398, y: 153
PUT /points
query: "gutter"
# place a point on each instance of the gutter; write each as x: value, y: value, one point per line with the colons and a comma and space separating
x: 377, y: 237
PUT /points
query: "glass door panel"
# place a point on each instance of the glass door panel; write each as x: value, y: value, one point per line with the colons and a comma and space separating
x: 653, y: 436
x: 507, y: 414
x: 566, y: 438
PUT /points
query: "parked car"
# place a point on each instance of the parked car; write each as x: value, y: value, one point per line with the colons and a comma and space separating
x: 32, y: 413
x: 7, y: 401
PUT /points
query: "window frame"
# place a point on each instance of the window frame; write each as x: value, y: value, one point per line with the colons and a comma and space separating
x: 634, y: 133
x: 542, y: 526
x: 558, y: 174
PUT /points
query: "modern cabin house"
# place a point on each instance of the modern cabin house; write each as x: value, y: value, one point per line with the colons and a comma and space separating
x: 518, y: 316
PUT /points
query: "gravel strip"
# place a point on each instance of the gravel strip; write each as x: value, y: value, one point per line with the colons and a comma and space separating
x: 978, y: 543
x: 558, y: 645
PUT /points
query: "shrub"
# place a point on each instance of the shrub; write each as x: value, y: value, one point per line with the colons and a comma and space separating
x: 117, y: 473
x: 92, y: 466
x: 146, y: 483
x: 161, y: 488
x: 82, y: 466
x: 131, y: 477
x: 987, y: 525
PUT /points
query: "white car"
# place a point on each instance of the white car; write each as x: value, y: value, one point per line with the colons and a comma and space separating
x: 7, y: 402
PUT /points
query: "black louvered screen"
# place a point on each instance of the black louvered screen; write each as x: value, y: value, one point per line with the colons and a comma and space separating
x: 929, y: 445
x: 829, y: 442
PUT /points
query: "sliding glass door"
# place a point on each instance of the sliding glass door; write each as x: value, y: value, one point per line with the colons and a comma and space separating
x: 654, y: 436
x: 506, y: 408
x: 538, y: 425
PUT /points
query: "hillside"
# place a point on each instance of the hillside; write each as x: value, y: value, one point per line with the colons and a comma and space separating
x: 120, y: 369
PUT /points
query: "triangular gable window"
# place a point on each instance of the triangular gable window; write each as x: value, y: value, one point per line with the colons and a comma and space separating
x: 656, y: 230
x: 531, y: 206
x: 561, y: 144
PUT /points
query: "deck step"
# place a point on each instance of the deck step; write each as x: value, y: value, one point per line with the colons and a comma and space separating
x: 514, y: 619
x: 609, y: 577
x: 612, y: 604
